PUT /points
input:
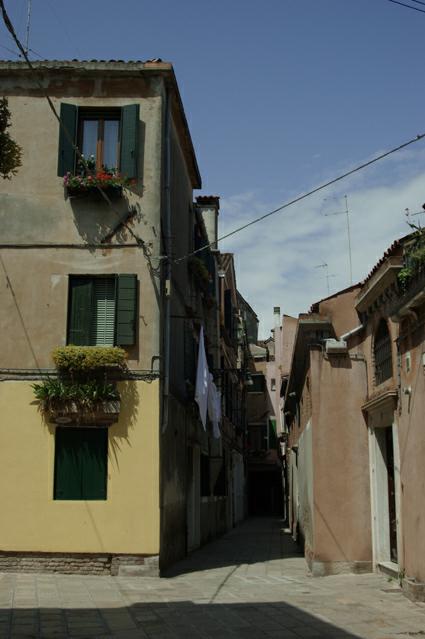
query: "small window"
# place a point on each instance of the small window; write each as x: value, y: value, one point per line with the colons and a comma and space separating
x: 102, y: 310
x: 273, y: 384
x: 81, y: 456
x: 382, y: 353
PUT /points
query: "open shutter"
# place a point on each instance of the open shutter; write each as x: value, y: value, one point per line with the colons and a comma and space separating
x: 66, y: 159
x: 80, y: 311
x: 129, y: 140
x: 126, y: 310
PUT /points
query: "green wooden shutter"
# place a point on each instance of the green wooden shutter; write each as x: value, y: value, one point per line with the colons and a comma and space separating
x: 102, y: 328
x: 129, y: 140
x: 126, y: 310
x: 80, y: 311
x: 67, y: 464
x: 94, y: 456
x: 81, y: 456
x: 66, y: 158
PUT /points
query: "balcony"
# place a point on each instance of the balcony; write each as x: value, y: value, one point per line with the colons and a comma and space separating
x: 379, y: 285
x: 409, y: 299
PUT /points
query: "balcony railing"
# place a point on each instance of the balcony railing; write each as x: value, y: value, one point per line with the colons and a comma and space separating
x: 410, y: 298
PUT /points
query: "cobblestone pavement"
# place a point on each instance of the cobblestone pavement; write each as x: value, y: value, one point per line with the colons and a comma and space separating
x: 249, y: 584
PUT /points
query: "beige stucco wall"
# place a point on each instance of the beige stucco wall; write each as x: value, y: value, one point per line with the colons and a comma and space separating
x: 412, y: 451
x: 34, y: 209
x: 342, y: 515
x: 340, y: 309
x: 126, y: 522
x: 34, y: 308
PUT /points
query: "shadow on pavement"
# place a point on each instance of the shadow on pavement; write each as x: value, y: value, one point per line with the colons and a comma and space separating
x: 256, y: 540
x: 170, y: 620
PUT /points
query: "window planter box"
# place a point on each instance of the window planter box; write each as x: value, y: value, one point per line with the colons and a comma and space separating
x: 69, y: 413
x: 112, y: 192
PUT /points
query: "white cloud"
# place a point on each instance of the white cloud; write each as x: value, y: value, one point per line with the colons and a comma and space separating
x: 276, y: 259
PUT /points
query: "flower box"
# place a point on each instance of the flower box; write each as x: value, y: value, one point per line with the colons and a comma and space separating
x: 110, y: 191
x: 70, y: 413
x: 89, y: 181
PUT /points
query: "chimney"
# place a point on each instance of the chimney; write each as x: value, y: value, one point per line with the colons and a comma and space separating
x: 209, y: 206
x: 276, y: 317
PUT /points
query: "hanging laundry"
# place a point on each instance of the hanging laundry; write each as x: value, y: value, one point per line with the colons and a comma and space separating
x: 214, y: 407
x: 202, y: 380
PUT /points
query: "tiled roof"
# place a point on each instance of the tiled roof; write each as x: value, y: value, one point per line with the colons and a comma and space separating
x: 390, y: 251
x: 88, y: 66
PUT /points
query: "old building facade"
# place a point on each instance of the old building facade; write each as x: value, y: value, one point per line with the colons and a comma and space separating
x: 98, y: 266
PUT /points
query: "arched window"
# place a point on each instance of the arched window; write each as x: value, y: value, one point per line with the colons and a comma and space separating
x: 382, y: 353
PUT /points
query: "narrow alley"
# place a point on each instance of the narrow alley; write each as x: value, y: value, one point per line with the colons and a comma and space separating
x: 250, y: 583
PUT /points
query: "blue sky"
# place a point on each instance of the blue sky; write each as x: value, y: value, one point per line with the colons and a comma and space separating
x: 279, y: 96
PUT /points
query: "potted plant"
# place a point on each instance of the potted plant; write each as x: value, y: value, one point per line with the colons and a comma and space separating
x: 81, y: 392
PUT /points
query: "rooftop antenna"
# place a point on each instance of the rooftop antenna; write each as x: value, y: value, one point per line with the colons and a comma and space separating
x: 347, y: 214
x: 409, y: 214
x: 27, y: 40
x: 325, y: 266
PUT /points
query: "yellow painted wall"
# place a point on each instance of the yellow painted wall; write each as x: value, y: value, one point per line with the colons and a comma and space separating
x: 31, y: 520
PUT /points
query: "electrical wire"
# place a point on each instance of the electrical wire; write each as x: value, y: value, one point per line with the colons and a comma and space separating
x: 305, y: 195
x: 408, y: 6
x: 9, y: 50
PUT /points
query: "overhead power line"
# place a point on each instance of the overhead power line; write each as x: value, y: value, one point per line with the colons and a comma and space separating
x: 409, y: 6
x: 299, y: 198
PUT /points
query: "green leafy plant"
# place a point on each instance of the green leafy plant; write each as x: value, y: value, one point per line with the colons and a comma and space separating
x: 414, y: 257
x: 10, y: 151
x: 404, y: 276
x: 81, y: 359
x: 54, y: 392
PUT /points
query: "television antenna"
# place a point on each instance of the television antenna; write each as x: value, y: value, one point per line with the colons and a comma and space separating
x: 347, y: 215
x: 327, y: 275
x: 408, y: 214
x: 27, y: 38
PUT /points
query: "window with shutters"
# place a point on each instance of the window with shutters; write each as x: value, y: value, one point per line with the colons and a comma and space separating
x: 110, y: 135
x: 102, y: 310
x: 81, y: 462
x: 382, y: 353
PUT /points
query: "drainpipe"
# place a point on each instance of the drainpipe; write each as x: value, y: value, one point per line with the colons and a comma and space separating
x: 353, y: 331
x: 167, y: 265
